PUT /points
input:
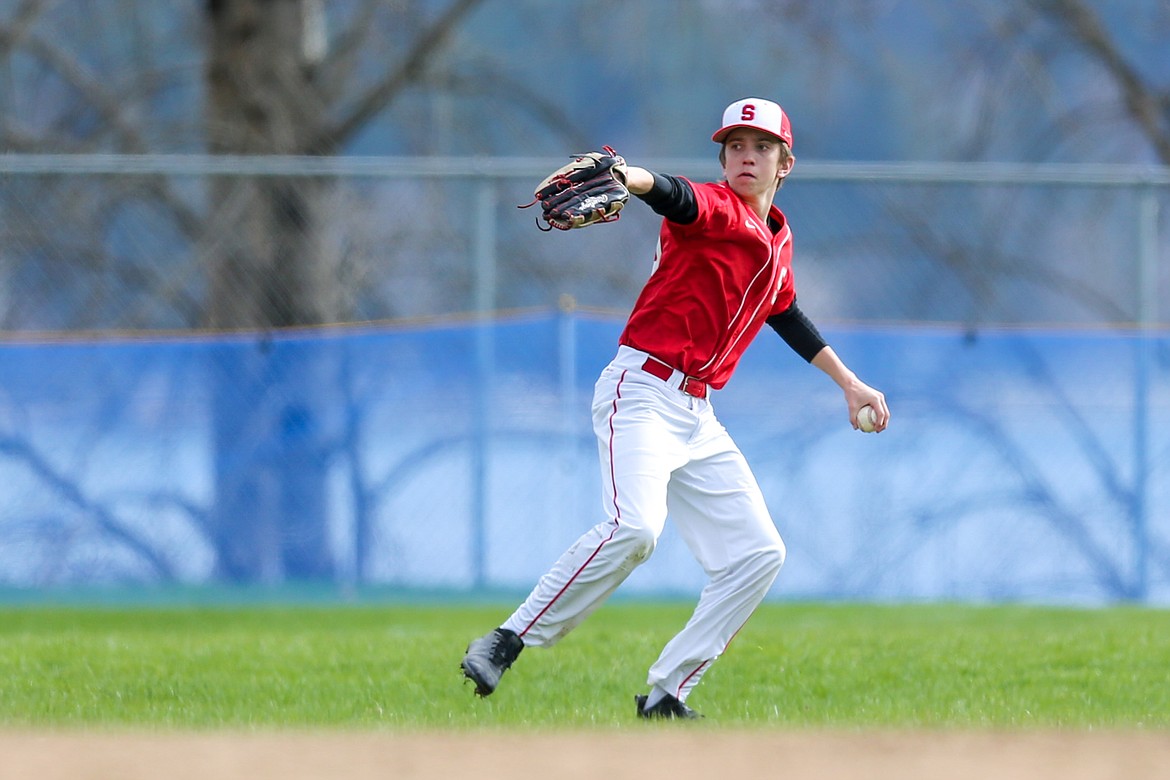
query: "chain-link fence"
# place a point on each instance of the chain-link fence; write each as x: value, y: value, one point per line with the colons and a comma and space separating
x: 116, y: 243
x: 163, y: 420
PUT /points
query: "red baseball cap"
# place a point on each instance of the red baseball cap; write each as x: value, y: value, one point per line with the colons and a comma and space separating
x: 756, y: 113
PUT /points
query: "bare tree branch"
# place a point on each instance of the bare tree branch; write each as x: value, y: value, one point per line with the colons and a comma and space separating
x: 1149, y: 108
x: 382, y: 93
x: 13, y: 33
x: 89, y: 90
x: 549, y: 113
x: 981, y: 278
x: 346, y: 49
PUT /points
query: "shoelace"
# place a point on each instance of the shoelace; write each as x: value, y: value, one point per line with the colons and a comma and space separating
x: 499, y: 651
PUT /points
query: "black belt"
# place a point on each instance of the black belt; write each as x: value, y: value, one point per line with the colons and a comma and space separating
x: 689, y: 385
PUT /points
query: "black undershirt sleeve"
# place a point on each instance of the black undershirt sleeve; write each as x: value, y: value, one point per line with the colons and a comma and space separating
x: 672, y: 198
x: 798, y: 332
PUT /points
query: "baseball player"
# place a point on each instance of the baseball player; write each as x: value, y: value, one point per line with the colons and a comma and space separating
x: 722, y: 270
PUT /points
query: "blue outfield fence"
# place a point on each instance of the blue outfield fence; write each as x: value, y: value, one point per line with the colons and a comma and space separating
x: 1020, y: 465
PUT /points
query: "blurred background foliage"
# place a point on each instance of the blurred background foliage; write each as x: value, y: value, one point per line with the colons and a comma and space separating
x: 253, y: 165
x: 1071, y: 82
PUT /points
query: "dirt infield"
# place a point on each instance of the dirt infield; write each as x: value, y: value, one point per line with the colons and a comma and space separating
x: 686, y: 752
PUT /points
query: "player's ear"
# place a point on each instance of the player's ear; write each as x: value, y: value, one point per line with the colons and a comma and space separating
x: 786, y: 166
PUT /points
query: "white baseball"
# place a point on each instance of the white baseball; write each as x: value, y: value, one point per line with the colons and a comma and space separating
x: 866, y: 419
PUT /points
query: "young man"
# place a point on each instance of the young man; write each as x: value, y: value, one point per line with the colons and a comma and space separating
x: 723, y: 269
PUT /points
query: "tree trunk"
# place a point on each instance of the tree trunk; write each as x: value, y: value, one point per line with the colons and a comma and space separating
x: 265, y: 270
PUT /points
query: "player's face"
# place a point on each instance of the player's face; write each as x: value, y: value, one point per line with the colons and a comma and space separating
x: 752, y: 162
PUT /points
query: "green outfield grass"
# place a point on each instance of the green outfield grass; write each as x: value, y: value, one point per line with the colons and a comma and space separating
x: 841, y: 666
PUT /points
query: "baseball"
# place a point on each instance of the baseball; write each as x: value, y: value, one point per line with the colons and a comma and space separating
x: 866, y: 419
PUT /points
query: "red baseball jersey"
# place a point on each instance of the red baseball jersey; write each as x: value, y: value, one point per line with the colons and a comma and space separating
x: 715, y: 281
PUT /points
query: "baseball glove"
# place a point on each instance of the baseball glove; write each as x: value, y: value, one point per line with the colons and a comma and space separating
x: 588, y: 190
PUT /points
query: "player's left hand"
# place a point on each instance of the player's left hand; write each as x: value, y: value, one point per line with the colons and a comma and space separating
x: 860, y: 395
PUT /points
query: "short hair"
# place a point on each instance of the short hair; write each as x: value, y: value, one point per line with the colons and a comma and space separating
x: 785, y: 151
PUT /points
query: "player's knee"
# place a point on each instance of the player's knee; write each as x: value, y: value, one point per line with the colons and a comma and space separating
x: 769, y: 560
x: 638, y: 542
x: 776, y: 555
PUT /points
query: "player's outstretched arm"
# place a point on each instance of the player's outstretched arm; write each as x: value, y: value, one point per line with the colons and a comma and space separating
x: 639, y: 181
x: 857, y: 393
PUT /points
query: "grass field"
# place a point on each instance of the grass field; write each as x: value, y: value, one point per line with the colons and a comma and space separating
x: 396, y: 667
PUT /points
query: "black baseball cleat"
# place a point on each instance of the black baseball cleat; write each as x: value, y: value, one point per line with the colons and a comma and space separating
x: 489, y: 657
x: 667, y: 708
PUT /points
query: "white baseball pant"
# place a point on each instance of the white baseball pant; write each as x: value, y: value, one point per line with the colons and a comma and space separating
x: 663, y: 451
